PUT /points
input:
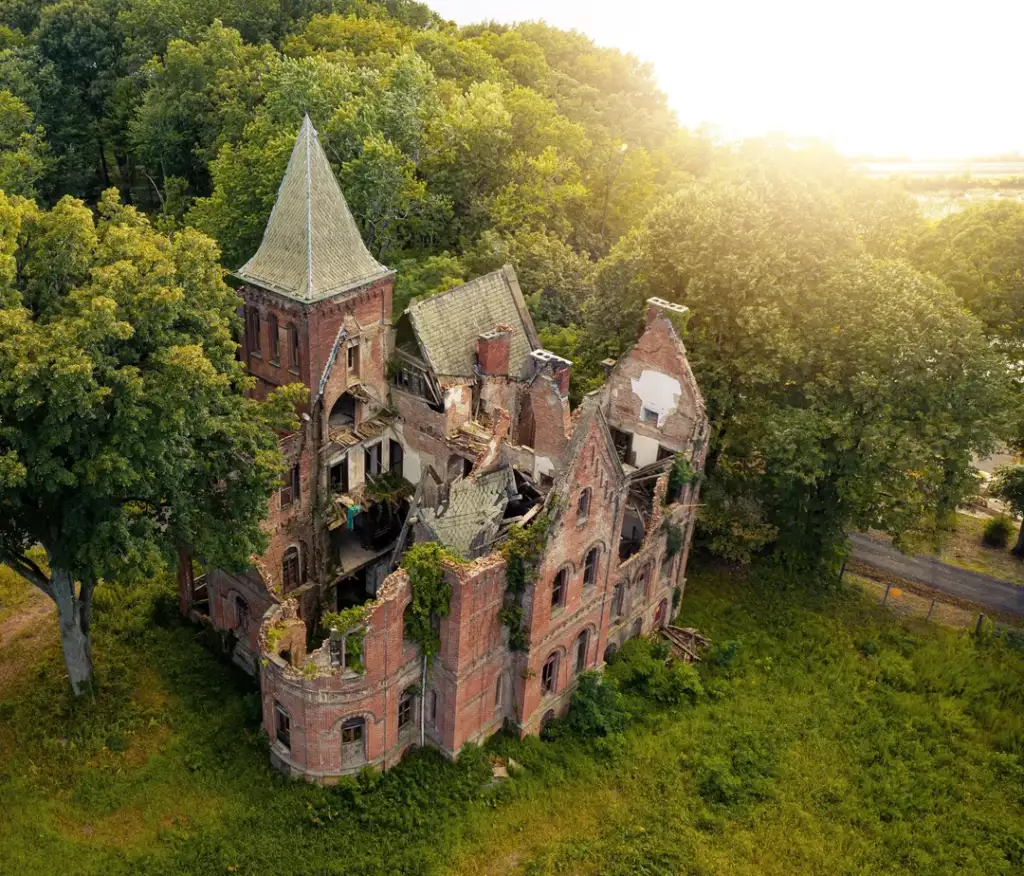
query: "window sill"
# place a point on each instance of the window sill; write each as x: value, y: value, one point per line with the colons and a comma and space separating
x: 557, y: 611
x: 276, y: 363
x: 294, y: 371
x: 256, y: 354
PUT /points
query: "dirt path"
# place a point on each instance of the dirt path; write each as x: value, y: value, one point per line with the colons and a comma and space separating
x: 32, y: 628
x: 972, y: 587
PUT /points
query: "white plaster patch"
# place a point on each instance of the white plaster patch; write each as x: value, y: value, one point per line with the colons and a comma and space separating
x: 645, y: 450
x: 658, y: 392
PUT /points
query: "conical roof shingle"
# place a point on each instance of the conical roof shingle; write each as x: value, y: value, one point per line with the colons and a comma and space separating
x: 311, y: 247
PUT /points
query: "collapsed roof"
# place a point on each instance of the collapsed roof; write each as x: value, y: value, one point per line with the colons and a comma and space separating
x: 471, y: 518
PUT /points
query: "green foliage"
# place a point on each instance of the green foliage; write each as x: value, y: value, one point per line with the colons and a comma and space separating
x: 977, y: 252
x: 680, y: 475
x: 389, y: 487
x: 673, y: 539
x: 522, y: 550
x: 351, y: 623
x: 431, y: 594
x: 997, y: 531
x: 1008, y: 485
x: 815, y: 731
x: 641, y: 668
x: 597, y: 708
x: 127, y: 433
x: 793, y: 336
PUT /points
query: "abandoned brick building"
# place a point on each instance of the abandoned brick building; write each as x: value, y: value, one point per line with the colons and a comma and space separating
x: 452, y: 426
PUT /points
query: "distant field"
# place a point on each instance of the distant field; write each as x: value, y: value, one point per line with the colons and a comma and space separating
x: 833, y: 738
x: 976, y: 169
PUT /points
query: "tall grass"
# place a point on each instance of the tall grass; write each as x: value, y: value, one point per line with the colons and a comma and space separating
x: 823, y: 737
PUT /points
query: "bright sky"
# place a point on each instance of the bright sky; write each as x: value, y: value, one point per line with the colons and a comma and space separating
x: 924, y: 78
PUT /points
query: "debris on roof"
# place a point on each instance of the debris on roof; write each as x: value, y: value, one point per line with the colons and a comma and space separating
x: 469, y: 521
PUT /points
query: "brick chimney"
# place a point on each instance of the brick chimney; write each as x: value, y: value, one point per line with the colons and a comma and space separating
x: 560, y: 369
x: 659, y: 306
x: 492, y: 351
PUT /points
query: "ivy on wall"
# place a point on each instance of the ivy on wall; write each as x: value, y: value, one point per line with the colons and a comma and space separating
x: 522, y: 551
x: 431, y: 594
x: 349, y: 622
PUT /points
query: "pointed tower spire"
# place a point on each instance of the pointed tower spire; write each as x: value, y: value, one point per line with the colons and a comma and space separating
x: 311, y: 247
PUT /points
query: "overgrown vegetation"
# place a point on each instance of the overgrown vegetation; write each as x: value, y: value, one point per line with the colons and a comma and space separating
x: 350, y: 623
x: 431, y: 594
x: 830, y: 737
x: 997, y: 531
x: 522, y: 550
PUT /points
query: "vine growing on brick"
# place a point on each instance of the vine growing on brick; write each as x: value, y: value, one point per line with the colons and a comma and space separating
x: 349, y: 622
x: 431, y: 594
x: 522, y: 551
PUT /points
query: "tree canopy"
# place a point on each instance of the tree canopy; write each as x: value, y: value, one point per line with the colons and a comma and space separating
x: 124, y: 430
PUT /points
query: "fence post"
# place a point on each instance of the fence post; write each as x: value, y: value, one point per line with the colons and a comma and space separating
x: 885, y: 598
x: 977, y: 629
x: 931, y: 608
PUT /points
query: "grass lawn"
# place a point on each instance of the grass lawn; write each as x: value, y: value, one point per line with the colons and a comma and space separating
x: 832, y: 739
x: 963, y: 547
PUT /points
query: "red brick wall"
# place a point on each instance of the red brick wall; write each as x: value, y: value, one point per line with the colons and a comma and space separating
x: 556, y: 629
x: 659, y: 349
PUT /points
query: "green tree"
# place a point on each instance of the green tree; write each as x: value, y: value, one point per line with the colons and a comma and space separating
x: 199, y: 97
x: 979, y: 253
x: 842, y: 390
x: 23, y: 149
x: 124, y: 430
x: 1008, y: 485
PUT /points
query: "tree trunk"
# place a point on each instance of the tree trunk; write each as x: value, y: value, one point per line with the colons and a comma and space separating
x: 1018, y: 548
x: 74, y: 614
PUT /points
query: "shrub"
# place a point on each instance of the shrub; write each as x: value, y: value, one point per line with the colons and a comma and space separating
x: 597, y: 708
x: 997, y: 532
x: 641, y: 669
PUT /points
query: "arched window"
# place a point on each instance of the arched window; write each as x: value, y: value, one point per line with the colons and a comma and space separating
x: 405, y: 709
x: 241, y: 614
x: 638, y: 627
x: 275, y: 355
x: 583, y: 506
x: 343, y: 413
x: 659, y: 615
x: 291, y: 569
x: 609, y: 652
x: 558, y: 588
x: 353, y: 741
x: 590, y: 567
x: 549, y: 675
x: 497, y: 692
x: 581, y: 647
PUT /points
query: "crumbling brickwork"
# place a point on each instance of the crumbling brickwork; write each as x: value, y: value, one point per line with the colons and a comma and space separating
x: 452, y: 426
